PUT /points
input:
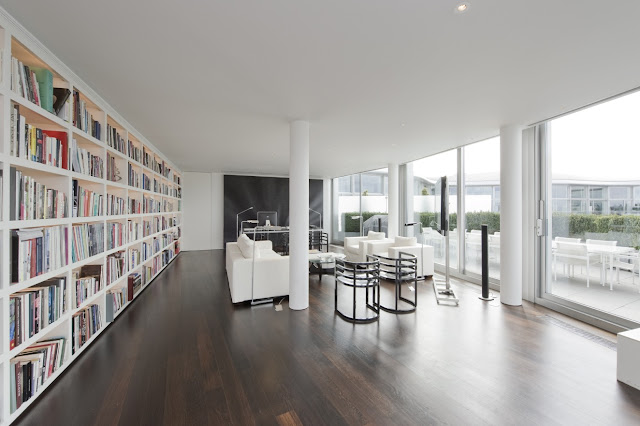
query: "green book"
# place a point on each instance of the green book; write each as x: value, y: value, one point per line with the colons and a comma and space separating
x: 45, y: 83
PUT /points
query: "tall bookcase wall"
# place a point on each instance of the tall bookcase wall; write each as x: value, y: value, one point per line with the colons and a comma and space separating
x: 90, y: 215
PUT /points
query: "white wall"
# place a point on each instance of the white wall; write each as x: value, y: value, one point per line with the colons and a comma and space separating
x: 203, y: 204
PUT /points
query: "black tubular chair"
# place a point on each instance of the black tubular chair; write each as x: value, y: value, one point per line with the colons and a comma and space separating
x: 359, y: 275
x: 403, y: 271
x: 318, y: 240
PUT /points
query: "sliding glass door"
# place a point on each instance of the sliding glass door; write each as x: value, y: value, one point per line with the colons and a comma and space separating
x: 591, y: 187
x: 482, y: 204
x: 360, y: 204
x: 421, y: 202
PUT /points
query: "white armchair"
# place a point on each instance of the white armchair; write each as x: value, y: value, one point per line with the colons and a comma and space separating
x: 356, y: 248
x: 393, y: 248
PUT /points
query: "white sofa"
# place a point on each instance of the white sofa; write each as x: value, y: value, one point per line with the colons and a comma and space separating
x: 356, y: 247
x: 392, y: 248
x: 271, y: 276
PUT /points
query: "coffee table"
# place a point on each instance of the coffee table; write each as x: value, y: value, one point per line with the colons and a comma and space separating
x: 324, y: 261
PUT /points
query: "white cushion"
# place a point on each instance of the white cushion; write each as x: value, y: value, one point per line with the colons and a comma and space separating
x: 375, y: 235
x: 246, y: 247
x: 405, y: 241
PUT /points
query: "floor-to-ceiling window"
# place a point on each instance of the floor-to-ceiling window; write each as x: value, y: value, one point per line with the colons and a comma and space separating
x: 592, y: 180
x: 482, y: 204
x: 425, y: 173
x: 360, y: 204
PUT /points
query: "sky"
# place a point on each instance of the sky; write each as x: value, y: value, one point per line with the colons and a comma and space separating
x: 601, y: 142
x: 480, y: 157
x: 598, y: 143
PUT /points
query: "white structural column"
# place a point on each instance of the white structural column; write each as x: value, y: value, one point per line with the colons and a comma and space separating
x: 511, y: 215
x: 299, y: 215
x: 392, y: 201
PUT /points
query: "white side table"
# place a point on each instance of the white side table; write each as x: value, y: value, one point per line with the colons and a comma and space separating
x: 629, y: 357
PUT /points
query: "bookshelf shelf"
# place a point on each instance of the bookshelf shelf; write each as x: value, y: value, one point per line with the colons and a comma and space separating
x: 87, y: 137
x: 117, y: 153
x: 117, y: 282
x: 41, y: 335
x: 16, y: 287
x: 44, y: 386
x: 19, y: 224
x: 38, y: 116
x: 89, y: 301
x: 95, y: 140
x: 32, y: 167
x: 86, y: 178
x: 86, y: 261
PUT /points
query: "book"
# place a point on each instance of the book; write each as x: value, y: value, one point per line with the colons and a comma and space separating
x: 113, y: 173
x: 135, y: 153
x: 88, y: 240
x: 87, y: 281
x: 115, y: 140
x: 84, y: 324
x: 36, y: 251
x: 85, y: 162
x: 31, y: 200
x: 134, y: 284
x: 60, y: 97
x: 86, y: 203
x: 35, y: 144
x: 83, y: 119
x: 116, y: 300
x: 115, y: 235
x: 45, y: 87
x: 35, y: 308
x: 116, y: 266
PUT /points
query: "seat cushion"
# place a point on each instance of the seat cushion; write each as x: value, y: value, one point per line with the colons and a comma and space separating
x: 372, y: 235
x: 405, y: 241
x: 352, y: 248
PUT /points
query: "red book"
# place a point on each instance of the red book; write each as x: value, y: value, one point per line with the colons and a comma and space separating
x: 64, y: 146
x: 34, y: 256
x: 130, y: 287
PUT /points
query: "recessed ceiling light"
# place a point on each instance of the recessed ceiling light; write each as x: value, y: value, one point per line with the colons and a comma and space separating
x: 462, y: 7
x: 401, y: 124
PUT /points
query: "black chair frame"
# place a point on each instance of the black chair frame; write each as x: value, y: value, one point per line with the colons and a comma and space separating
x: 402, y: 271
x: 359, y: 275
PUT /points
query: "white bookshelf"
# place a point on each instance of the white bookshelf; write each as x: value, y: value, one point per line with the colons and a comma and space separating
x: 16, y: 41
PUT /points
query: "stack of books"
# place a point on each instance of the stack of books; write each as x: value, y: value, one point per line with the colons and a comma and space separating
x: 32, y: 367
x: 36, y: 251
x: 34, y: 308
x: 32, y: 200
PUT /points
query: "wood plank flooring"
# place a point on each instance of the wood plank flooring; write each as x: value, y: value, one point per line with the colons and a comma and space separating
x: 184, y: 355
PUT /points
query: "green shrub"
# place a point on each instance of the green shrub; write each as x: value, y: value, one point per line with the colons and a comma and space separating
x: 353, y: 225
x: 578, y: 225
x: 563, y: 224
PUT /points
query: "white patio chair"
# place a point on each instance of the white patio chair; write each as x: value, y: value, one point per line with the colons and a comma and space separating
x: 627, y: 262
x: 572, y: 254
x: 603, y: 261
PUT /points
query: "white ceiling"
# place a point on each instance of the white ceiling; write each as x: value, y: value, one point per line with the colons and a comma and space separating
x: 213, y: 84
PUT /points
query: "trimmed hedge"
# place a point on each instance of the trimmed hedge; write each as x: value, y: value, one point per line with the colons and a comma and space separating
x: 474, y: 220
x: 563, y: 224
x: 353, y: 225
x: 578, y: 225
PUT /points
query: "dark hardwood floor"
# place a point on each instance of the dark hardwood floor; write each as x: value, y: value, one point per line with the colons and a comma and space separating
x: 182, y: 354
